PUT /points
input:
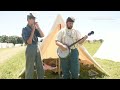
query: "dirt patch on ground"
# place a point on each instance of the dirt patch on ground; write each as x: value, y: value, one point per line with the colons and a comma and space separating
x: 7, y: 53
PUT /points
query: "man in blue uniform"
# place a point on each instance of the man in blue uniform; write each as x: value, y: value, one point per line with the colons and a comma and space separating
x: 30, y: 36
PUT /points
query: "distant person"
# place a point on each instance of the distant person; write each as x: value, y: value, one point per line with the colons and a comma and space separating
x: 30, y: 36
x: 66, y: 36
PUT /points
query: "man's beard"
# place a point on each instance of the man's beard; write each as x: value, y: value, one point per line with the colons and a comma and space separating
x: 69, y: 27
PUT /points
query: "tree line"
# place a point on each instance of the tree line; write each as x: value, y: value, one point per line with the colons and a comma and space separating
x: 11, y: 39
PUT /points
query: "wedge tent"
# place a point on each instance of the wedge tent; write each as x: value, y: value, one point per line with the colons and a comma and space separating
x: 110, y: 48
x: 48, y: 47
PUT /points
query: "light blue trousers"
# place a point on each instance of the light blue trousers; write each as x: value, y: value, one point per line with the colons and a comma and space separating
x: 33, y: 58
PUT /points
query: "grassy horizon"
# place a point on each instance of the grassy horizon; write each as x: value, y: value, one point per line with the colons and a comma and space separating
x: 15, y: 64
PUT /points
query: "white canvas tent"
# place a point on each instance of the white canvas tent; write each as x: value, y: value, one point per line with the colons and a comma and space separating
x: 3, y: 45
x: 0, y: 45
x: 110, y: 48
x: 48, y: 47
x: 10, y: 45
x: 18, y: 45
x: 6, y: 45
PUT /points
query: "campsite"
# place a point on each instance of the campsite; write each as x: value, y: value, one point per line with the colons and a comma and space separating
x: 96, y: 60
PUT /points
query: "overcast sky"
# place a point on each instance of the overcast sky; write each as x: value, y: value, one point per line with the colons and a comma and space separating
x: 102, y: 22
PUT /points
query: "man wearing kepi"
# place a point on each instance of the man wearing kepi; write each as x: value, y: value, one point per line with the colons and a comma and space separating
x: 65, y: 37
x: 30, y: 35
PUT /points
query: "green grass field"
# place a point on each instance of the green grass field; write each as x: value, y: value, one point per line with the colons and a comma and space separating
x: 113, y: 68
x: 15, y: 64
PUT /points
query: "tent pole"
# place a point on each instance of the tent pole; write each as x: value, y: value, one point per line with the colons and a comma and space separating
x: 59, y: 67
x: 59, y: 61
